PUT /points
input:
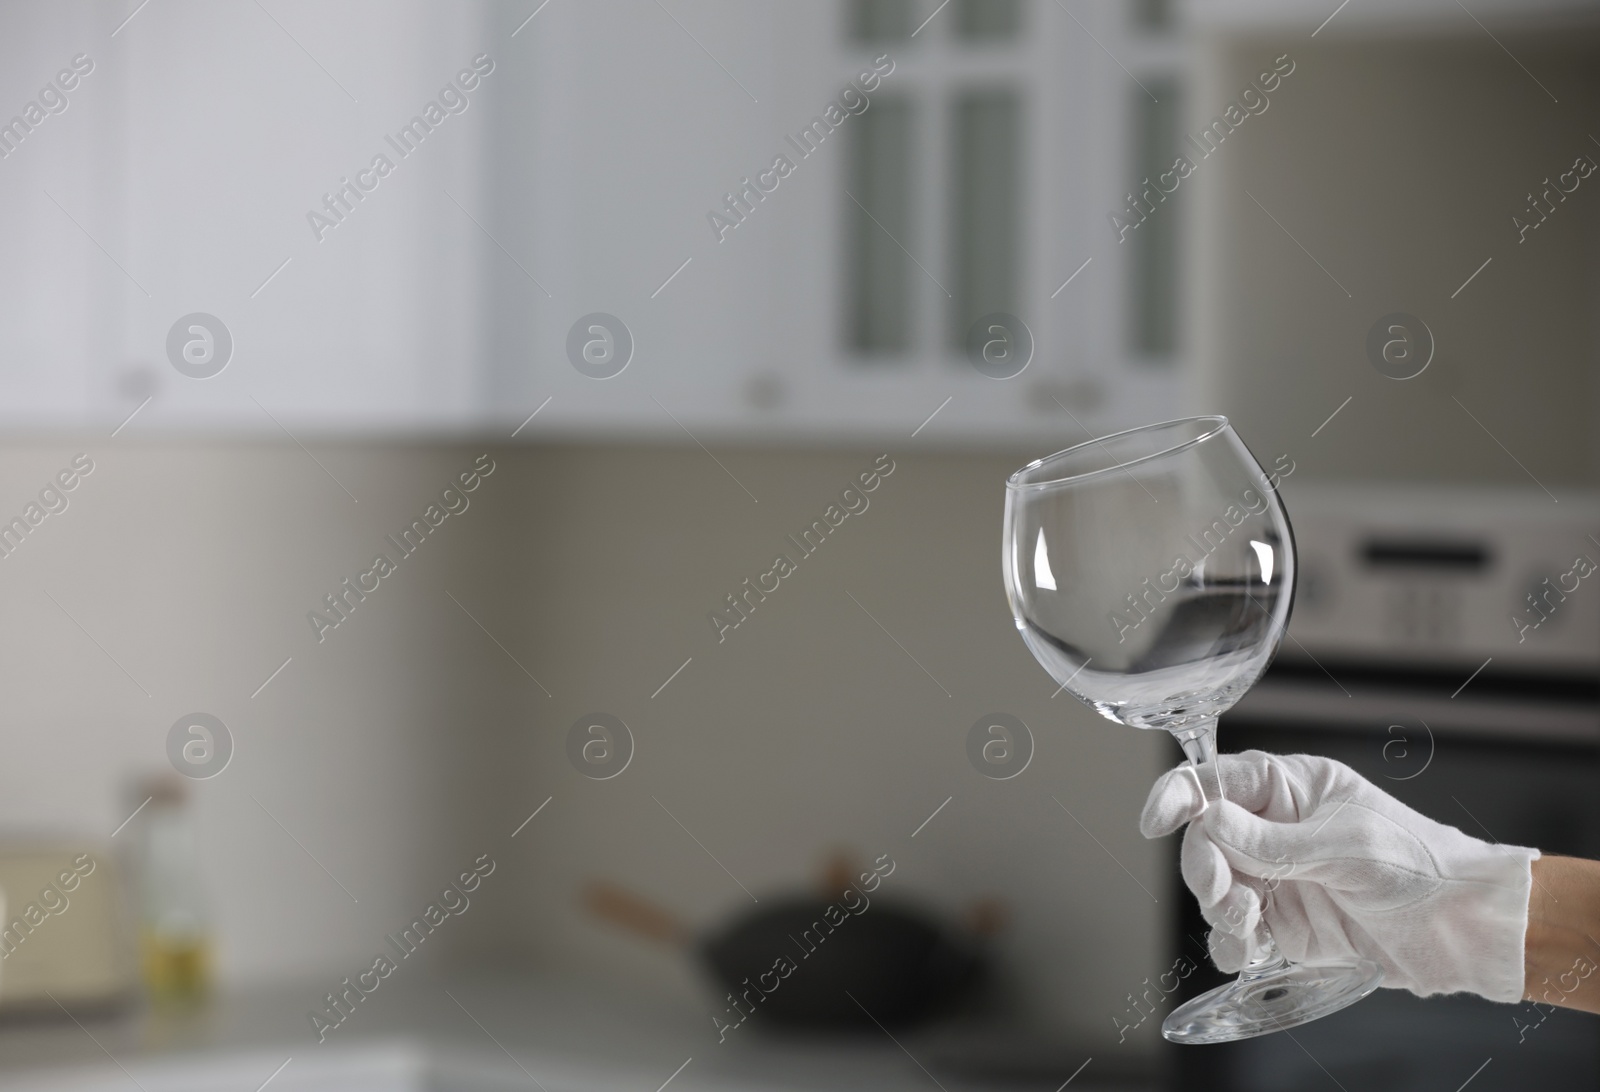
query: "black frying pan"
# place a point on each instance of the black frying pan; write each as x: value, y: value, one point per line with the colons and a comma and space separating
x: 810, y: 961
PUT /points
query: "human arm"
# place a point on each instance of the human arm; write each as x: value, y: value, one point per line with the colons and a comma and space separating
x: 1561, y: 950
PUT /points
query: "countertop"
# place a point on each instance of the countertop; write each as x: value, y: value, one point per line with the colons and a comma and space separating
x: 471, y: 1033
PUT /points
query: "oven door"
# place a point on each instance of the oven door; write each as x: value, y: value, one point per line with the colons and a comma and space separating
x: 1511, y: 759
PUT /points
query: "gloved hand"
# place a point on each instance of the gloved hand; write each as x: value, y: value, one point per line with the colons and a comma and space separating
x: 1345, y: 870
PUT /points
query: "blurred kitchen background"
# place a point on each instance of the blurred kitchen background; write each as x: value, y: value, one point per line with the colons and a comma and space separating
x: 1408, y: 158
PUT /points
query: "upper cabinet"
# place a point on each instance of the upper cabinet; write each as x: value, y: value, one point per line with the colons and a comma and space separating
x: 851, y: 219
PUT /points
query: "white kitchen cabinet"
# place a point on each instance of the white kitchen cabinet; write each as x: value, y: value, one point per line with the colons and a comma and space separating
x: 193, y: 174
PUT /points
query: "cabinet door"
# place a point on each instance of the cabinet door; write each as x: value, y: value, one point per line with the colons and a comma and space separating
x: 191, y: 174
x: 307, y: 175
x: 980, y: 195
x: 627, y: 124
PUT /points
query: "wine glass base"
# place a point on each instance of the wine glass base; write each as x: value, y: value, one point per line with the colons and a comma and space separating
x: 1282, y: 998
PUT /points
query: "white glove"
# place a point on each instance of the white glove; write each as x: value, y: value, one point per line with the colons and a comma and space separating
x: 1346, y: 870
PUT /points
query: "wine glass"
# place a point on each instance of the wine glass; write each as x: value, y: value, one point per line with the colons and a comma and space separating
x: 1152, y: 572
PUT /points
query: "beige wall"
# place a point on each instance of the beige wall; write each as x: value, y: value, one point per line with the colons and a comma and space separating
x: 1398, y: 164
x: 807, y: 728
x: 195, y: 566
x: 407, y: 742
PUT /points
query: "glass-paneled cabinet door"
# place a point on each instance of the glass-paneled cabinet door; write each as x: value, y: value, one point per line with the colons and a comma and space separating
x: 957, y: 160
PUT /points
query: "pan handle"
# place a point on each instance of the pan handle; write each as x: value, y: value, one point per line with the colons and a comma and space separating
x: 634, y: 913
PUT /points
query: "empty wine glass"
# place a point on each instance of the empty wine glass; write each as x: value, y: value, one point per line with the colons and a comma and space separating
x: 1152, y: 573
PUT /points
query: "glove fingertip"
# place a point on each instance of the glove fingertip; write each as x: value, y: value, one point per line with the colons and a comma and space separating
x: 1205, y: 870
x: 1173, y: 801
x: 1227, y: 951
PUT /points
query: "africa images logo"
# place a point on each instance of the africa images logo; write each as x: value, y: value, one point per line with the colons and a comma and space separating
x: 52, y: 99
x: 740, y: 604
x: 340, y: 604
x: 452, y: 99
x: 453, y: 901
x: 852, y: 102
x: 1143, y: 199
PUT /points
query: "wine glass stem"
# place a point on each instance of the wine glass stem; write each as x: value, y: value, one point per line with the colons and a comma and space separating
x: 1200, y: 748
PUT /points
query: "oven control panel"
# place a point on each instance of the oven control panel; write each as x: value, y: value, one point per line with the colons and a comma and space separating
x: 1445, y: 574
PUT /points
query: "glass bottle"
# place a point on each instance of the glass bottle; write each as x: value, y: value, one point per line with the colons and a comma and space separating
x: 174, y: 927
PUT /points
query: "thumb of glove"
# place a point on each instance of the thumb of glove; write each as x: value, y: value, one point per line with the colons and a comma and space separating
x: 1174, y: 800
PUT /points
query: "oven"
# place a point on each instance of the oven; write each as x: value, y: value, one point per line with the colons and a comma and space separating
x: 1445, y: 644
